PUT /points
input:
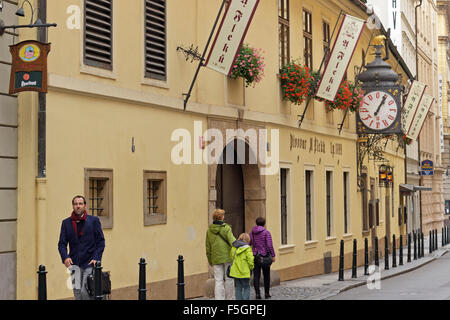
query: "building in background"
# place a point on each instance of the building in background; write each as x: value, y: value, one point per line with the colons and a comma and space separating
x: 444, y: 87
x: 426, y: 207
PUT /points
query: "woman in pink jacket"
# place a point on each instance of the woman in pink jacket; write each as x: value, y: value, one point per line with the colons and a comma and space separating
x: 261, y: 242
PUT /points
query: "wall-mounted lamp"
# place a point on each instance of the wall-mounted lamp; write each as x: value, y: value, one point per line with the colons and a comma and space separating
x: 382, y: 175
x: 390, y: 176
x: 21, y: 13
x: 385, y: 176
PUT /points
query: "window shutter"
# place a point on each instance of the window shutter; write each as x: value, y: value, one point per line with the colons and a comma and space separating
x: 98, y: 33
x: 155, y: 39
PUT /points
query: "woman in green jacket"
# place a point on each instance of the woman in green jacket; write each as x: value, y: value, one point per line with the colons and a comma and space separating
x: 218, y: 243
x: 243, y: 263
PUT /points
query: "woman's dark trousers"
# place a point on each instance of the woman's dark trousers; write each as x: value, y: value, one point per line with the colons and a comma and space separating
x: 257, y: 277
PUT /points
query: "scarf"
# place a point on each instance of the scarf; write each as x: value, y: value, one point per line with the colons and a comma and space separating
x: 74, y: 217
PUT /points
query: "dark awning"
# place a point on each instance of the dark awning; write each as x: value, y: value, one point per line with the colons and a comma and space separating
x: 412, y: 188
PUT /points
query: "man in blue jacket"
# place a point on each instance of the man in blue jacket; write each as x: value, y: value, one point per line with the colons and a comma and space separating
x: 86, y: 242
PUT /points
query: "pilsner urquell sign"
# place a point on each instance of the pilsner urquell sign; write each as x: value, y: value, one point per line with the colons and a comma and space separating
x: 29, y: 66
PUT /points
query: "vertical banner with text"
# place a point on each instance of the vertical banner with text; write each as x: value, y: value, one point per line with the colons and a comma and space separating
x: 411, y: 104
x: 231, y: 34
x: 339, y: 59
x: 419, y: 117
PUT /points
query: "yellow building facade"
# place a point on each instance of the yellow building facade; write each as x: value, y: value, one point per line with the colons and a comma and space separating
x: 113, y: 129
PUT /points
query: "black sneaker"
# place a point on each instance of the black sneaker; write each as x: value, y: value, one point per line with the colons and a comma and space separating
x: 268, y: 296
x: 258, y: 296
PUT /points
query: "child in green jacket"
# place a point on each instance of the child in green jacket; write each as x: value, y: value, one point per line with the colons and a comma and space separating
x: 242, y: 265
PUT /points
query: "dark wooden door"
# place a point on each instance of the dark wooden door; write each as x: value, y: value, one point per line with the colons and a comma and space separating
x: 230, y: 195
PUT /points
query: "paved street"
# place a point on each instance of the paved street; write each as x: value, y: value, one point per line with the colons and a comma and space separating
x: 423, y: 278
x: 430, y: 282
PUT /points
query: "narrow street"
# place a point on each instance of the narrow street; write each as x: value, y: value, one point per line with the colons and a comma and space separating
x: 430, y: 282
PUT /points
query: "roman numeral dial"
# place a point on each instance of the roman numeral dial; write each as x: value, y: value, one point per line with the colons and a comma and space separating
x: 378, y: 110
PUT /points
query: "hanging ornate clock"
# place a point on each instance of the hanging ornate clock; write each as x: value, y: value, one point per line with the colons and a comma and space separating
x: 380, y: 111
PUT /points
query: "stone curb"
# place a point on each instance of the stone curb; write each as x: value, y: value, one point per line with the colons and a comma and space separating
x: 437, y: 255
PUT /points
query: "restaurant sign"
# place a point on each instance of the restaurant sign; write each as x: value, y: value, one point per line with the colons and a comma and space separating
x: 29, y: 66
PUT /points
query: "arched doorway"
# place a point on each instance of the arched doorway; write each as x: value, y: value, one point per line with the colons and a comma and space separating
x: 239, y: 188
x: 230, y: 191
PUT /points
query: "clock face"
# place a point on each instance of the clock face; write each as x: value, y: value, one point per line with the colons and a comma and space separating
x: 378, y: 110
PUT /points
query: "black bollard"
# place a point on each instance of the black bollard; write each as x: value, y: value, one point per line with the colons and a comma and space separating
x: 386, y: 253
x: 423, y: 246
x: 42, y: 283
x: 354, y: 259
x: 341, y: 262
x: 415, y: 244
x: 180, y: 284
x: 409, y: 247
x: 435, y: 239
x: 432, y: 240
x: 430, y: 249
x: 366, y: 257
x: 377, y: 261
x: 98, y: 288
x: 394, y: 253
x: 442, y: 237
x: 400, y: 257
x: 142, y: 291
x: 418, y: 244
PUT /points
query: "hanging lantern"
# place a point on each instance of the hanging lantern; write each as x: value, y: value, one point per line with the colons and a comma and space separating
x: 389, y: 176
x: 382, y: 175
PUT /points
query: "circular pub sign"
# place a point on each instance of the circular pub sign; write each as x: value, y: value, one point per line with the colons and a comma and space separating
x: 29, y: 52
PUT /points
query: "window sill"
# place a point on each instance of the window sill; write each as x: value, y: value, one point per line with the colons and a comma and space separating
x: 330, y: 240
x: 311, y: 244
x: 98, y: 72
x: 155, y: 83
x: 287, y: 248
x: 347, y: 236
x: 155, y: 219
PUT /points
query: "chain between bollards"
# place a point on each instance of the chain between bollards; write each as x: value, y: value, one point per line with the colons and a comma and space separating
x: 42, y: 283
x: 341, y: 262
x: 142, y: 291
x: 180, y: 283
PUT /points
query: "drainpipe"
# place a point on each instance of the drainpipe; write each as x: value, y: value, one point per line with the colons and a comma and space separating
x: 42, y: 37
x: 417, y: 78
